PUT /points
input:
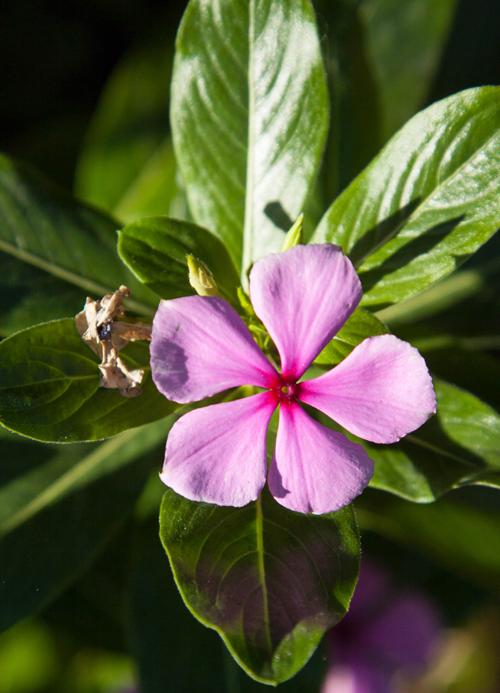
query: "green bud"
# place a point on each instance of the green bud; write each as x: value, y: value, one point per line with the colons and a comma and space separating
x: 200, y: 277
x: 245, y: 302
x: 294, y: 236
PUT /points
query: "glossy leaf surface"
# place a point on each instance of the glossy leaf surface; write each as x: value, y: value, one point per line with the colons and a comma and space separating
x: 249, y: 118
x: 458, y: 446
x: 44, y: 227
x: 155, y: 249
x: 361, y: 324
x: 270, y: 581
x: 49, y: 388
x: 56, y: 515
x: 426, y: 203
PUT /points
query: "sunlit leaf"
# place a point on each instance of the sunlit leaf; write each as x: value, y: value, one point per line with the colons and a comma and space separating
x: 249, y: 118
x: 426, y: 203
x: 51, y: 365
x: 270, y: 581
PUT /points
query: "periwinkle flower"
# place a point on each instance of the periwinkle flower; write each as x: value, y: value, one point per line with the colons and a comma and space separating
x: 380, y: 392
x: 385, y: 633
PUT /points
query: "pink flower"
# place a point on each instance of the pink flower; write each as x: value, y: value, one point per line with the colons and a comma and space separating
x: 201, y: 346
x: 385, y: 632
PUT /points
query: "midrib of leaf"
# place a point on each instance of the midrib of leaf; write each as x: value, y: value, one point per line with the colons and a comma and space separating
x: 63, y: 378
x: 418, y: 209
x: 68, y: 276
x: 248, y: 225
x: 64, y: 484
x: 262, y: 570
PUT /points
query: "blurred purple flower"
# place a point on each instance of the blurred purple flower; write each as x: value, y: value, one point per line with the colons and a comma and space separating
x: 201, y: 346
x: 385, y: 632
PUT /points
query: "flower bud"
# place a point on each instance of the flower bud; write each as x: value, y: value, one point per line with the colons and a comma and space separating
x: 200, y: 278
x: 294, y: 236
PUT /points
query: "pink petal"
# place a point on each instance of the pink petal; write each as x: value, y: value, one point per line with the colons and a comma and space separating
x: 304, y: 296
x: 218, y: 454
x: 315, y: 469
x: 201, y: 346
x: 356, y: 677
x: 380, y: 392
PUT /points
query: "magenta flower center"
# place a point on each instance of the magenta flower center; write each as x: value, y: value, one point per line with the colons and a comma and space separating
x: 286, y: 390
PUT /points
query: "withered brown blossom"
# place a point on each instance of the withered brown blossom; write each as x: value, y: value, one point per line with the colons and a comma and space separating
x: 98, y: 326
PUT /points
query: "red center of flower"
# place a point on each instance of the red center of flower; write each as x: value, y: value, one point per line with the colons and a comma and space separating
x: 286, y: 390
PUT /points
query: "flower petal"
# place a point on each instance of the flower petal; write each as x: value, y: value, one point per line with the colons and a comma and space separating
x: 201, y: 346
x: 380, y: 392
x: 218, y: 454
x: 304, y: 296
x: 356, y: 677
x: 315, y: 469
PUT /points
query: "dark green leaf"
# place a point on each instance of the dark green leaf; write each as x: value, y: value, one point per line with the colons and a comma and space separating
x: 270, y: 581
x: 361, y: 324
x: 426, y: 203
x: 457, y: 447
x: 44, y: 227
x: 415, y: 31
x: 127, y: 165
x: 155, y: 249
x: 249, y: 118
x: 50, y: 364
x: 56, y: 516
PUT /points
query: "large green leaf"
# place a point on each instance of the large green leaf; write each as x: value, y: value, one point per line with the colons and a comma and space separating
x: 155, y: 249
x: 458, y: 446
x: 45, y: 227
x: 269, y: 580
x: 249, y: 118
x: 49, y: 388
x: 426, y: 203
x: 56, y: 515
x: 126, y: 163
x: 405, y: 39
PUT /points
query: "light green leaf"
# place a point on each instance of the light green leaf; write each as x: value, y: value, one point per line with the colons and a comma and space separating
x: 155, y: 249
x: 249, y: 118
x: 361, y: 324
x: 45, y: 227
x: 56, y: 516
x: 51, y: 365
x: 269, y: 580
x: 426, y: 203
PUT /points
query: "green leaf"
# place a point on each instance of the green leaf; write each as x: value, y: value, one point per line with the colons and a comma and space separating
x: 460, y: 445
x: 45, y: 227
x: 415, y: 31
x: 51, y: 365
x: 456, y: 534
x: 426, y: 203
x: 56, y: 516
x: 127, y: 162
x: 269, y: 580
x: 249, y: 118
x: 361, y: 324
x: 155, y: 249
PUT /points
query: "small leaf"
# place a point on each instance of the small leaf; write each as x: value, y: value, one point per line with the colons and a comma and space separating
x: 361, y: 324
x: 155, y: 249
x: 56, y: 516
x: 426, y: 203
x: 270, y: 581
x: 249, y: 118
x: 51, y: 365
x: 45, y: 227
x: 459, y: 446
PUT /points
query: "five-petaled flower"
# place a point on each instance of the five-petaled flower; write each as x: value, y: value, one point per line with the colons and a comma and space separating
x: 380, y: 392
